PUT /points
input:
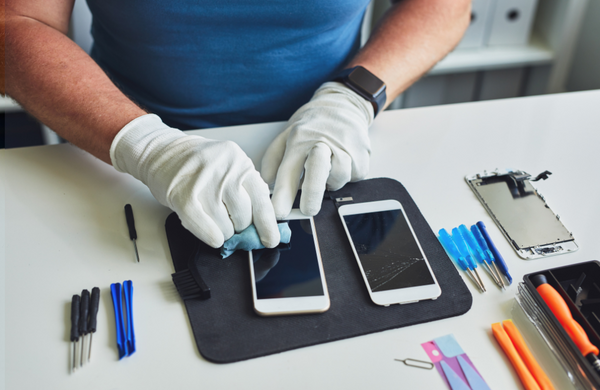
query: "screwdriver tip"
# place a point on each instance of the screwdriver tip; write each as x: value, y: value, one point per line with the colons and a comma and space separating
x: 137, y: 255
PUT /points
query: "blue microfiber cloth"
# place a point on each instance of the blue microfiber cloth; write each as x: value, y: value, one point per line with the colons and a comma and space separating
x: 248, y: 239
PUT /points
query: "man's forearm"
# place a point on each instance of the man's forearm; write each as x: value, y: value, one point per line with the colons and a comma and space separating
x: 59, y: 84
x: 411, y: 38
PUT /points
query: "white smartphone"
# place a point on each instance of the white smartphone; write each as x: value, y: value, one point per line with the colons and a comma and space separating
x: 389, y: 255
x: 289, y: 279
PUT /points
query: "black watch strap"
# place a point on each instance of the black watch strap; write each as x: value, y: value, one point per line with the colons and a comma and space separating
x: 366, y: 84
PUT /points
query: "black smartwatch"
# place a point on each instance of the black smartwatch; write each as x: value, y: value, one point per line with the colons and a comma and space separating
x: 364, y: 83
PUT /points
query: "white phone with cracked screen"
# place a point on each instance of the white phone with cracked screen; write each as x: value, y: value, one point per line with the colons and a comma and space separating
x: 289, y: 279
x: 389, y: 255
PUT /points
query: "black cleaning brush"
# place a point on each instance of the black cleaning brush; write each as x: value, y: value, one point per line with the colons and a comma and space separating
x: 189, y: 282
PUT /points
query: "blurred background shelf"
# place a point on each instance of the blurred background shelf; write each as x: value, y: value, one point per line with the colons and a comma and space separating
x: 549, y: 40
x: 495, y: 57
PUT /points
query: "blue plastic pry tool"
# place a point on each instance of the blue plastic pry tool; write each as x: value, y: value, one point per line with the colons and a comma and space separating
x: 128, y: 292
x: 117, y: 297
x: 497, y: 256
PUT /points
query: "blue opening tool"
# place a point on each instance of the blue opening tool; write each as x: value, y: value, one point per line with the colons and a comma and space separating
x: 452, y: 250
x: 117, y: 297
x: 466, y: 253
x: 479, y: 254
x: 128, y: 292
x: 124, y: 327
x: 497, y: 256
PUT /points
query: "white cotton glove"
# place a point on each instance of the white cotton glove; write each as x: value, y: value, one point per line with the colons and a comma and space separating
x: 212, y: 185
x: 327, y: 141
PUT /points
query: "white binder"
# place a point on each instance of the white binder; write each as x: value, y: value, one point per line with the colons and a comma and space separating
x: 511, y: 22
x: 481, y: 11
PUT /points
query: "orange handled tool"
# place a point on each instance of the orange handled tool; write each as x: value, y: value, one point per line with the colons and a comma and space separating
x: 509, y: 349
x: 561, y: 311
x: 534, y: 368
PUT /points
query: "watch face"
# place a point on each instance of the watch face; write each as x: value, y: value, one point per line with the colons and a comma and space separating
x: 366, y: 81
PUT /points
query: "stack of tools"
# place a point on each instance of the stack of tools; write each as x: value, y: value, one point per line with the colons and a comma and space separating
x: 469, y: 247
x: 84, y: 311
x: 124, y: 321
x: 564, y: 306
x: 530, y: 373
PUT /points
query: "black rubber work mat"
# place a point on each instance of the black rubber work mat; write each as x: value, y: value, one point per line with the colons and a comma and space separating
x: 226, y: 328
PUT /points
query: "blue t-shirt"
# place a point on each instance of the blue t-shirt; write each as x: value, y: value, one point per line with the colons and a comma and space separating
x: 214, y: 63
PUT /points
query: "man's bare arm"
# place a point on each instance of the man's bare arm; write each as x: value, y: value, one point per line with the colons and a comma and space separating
x: 57, y: 82
x: 411, y: 38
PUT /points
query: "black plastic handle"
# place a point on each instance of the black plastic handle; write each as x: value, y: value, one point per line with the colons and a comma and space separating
x: 83, y: 312
x: 94, y: 303
x: 75, y: 304
x: 130, y: 221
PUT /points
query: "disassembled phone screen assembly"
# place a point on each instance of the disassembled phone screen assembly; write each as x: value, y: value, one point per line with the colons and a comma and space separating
x: 521, y: 213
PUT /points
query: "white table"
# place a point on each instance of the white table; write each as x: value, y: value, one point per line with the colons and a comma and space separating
x: 63, y: 230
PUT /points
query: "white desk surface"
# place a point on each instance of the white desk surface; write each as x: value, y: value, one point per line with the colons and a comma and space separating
x: 63, y: 230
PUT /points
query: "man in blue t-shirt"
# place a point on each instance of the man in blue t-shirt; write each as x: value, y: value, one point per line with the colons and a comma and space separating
x: 158, y: 67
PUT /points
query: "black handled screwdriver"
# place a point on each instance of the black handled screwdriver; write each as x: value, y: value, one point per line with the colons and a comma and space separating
x: 75, y: 305
x: 83, y: 321
x: 93, y: 312
x: 131, y: 227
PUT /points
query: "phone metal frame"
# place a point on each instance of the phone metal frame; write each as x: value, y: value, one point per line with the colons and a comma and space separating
x: 527, y: 252
x: 398, y: 296
x: 293, y: 305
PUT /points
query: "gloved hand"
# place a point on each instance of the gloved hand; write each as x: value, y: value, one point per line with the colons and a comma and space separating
x: 327, y: 140
x: 211, y: 185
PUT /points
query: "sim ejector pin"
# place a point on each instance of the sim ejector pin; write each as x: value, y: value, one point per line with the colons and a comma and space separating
x: 416, y: 363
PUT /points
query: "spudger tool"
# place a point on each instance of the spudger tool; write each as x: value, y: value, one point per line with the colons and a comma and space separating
x: 124, y: 326
x: 131, y: 227
x: 528, y: 369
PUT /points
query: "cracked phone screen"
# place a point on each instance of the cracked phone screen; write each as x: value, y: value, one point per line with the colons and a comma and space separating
x: 388, y: 251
